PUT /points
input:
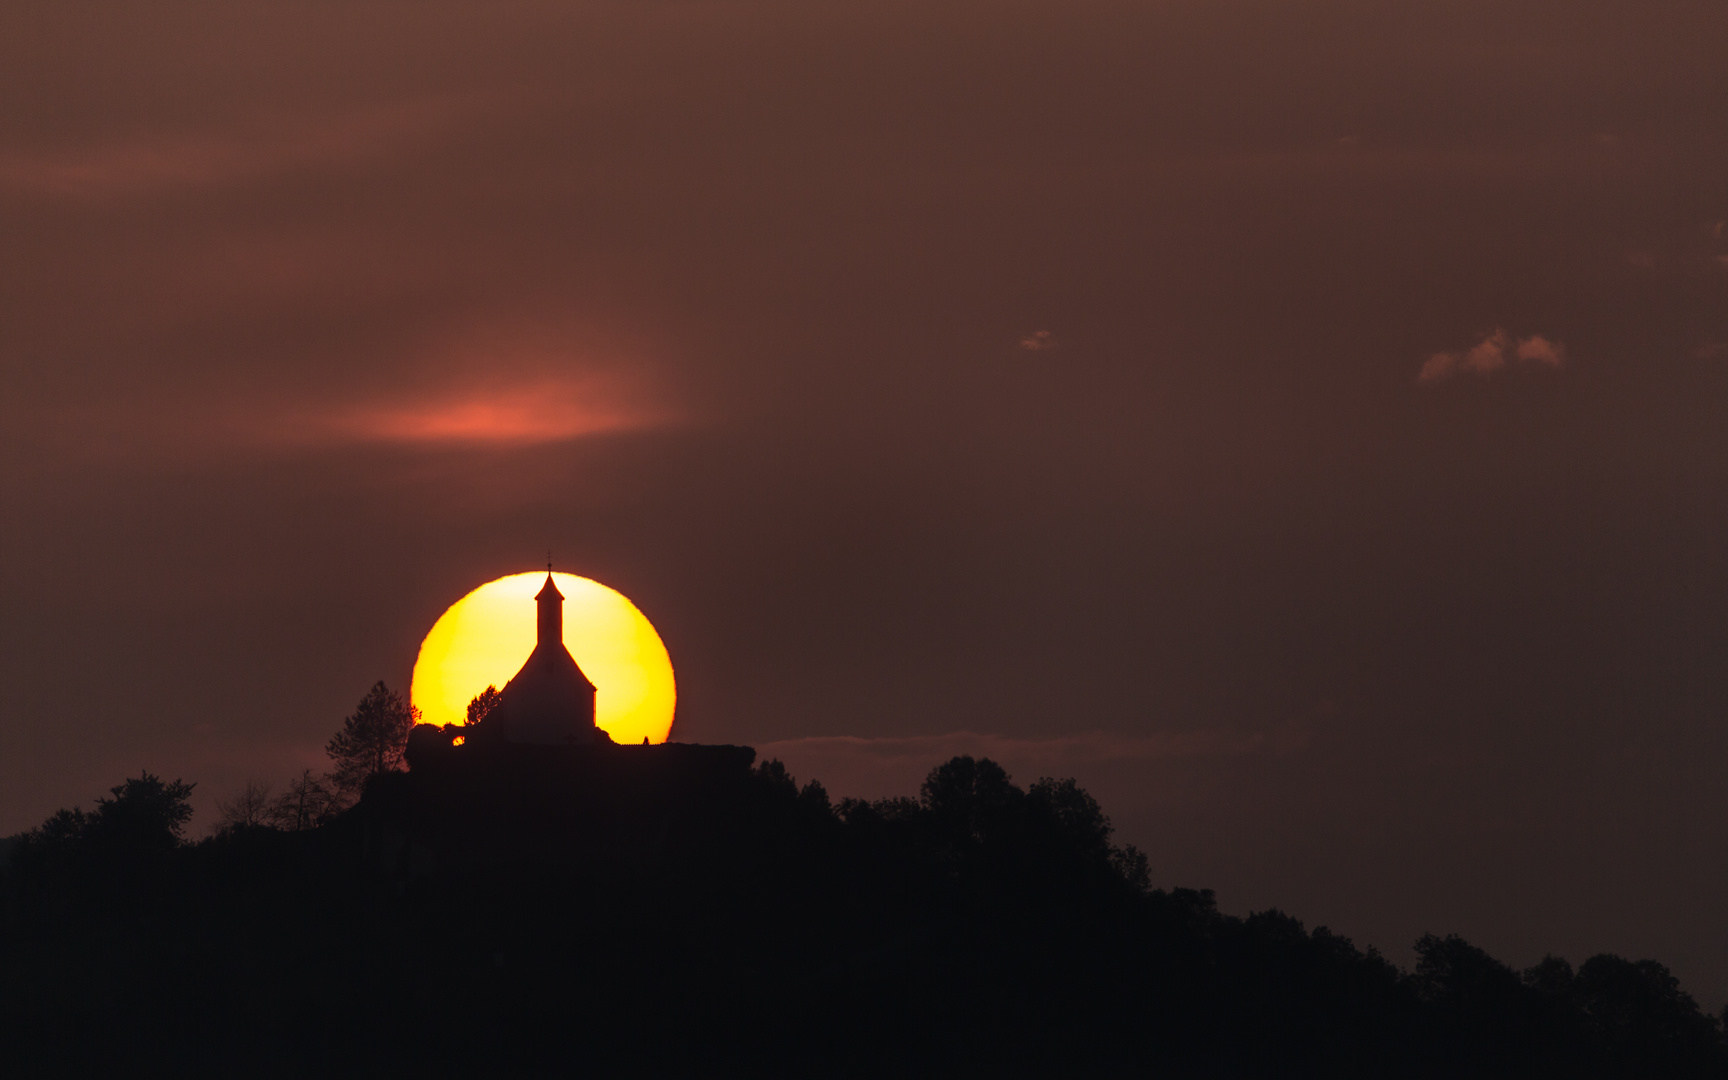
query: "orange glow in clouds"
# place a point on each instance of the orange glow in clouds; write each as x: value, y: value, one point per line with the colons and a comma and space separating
x: 533, y: 413
x: 483, y: 639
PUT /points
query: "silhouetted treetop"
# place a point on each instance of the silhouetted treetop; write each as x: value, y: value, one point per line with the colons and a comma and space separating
x: 969, y: 801
x: 61, y: 834
x: 1452, y: 972
x: 249, y: 808
x: 144, y: 814
x: 482, y: 705
x: 1638, y: 1009
x: 308, y: 802
x: 372, y: 739
x: 970, y: 814
x: 142, y: 817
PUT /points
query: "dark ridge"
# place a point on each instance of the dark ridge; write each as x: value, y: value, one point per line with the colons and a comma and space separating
x: 508, y: 910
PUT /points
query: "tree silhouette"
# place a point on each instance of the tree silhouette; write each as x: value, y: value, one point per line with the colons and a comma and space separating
x: 372, y: 739
x: 1639, y: 1011
x: 971, y: 817
x: 63, y: 827
x: 146, y: 815
x: 142, y: 817
x: 969, y: 801
x: 309, y: 801
x: 482, y: 705
x: 248, y: 808
x: 1073, y: 815
x: 55, y: 838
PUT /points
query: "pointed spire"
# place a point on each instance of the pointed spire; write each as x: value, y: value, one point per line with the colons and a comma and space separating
x: 551, y: 617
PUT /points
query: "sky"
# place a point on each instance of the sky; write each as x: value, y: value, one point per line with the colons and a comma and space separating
x: 1302, y: 423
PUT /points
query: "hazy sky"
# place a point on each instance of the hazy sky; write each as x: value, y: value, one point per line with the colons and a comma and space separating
x: 1301, y: 422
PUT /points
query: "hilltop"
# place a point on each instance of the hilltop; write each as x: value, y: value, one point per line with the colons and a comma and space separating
x: 686, y: 910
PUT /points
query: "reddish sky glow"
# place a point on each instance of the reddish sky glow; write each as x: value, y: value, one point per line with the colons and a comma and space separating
x: 1303, y: 423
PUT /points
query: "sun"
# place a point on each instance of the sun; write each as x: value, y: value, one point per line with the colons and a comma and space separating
x: 484, y: 637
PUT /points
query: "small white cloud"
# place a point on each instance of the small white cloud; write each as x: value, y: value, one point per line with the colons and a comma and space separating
x: 1039, y: 341
x: 1490, y: 355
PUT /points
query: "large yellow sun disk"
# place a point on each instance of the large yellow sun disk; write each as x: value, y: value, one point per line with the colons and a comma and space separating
x: 485, y: 637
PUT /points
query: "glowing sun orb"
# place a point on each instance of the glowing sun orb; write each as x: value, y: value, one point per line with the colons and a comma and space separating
x: 485, y: 637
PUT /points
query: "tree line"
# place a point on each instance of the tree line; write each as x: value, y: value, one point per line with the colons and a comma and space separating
x: 146, y: 814
x: 976, y: 927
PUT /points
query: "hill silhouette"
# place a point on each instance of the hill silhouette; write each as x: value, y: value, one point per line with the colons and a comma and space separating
x: 684, y: 910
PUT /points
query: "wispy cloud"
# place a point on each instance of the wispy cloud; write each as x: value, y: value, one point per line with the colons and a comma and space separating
x: 140, y: 164
x: 1496, y: 349
x: 880, y: 767
x: 520, y: 413
x: 1039, y: 341
x: 544, y: 411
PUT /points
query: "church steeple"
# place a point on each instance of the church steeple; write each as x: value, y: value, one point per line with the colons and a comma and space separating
x: 551, y: 601
x: 549, y: 702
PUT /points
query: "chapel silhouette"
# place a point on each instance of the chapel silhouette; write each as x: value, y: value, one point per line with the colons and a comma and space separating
x: 550, y: 702
x: 536, y: 775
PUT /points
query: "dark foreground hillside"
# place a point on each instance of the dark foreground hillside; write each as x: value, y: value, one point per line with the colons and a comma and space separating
x: 685, y: 913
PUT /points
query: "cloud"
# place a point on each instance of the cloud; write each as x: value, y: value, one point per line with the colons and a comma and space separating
x: 528, y: 378
x: 1491, y: 354
x: 271, y: 144
x: 1039, y: 341
x: 457, y: 414
x: 547, y: 411
x: 1537, y: 349
x: 884, y: 767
